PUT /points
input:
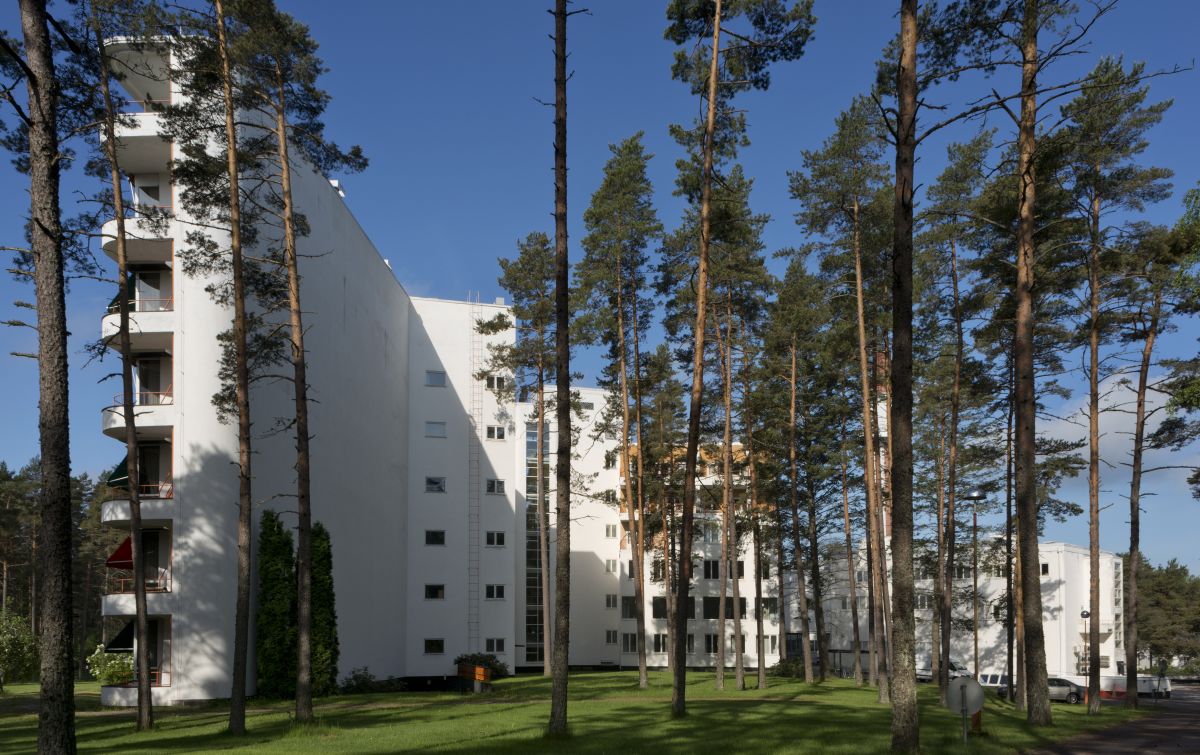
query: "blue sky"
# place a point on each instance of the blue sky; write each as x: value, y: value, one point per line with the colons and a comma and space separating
x: 442, y: 98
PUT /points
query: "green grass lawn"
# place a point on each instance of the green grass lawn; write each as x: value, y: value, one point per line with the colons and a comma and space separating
x: 608, y: 713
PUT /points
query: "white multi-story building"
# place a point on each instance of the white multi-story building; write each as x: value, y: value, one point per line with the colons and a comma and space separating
x: 421, y: 475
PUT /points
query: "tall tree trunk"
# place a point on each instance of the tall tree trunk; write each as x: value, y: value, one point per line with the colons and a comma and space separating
x: 726, y: 488
x: 797, y: 545
x: 937, y: 668
x: 760, y: 643
x: 543, y: 514
x: 878, y: 542
x: 640, y: 490
x: 872, y: 626
x: 952, y: 478
x: 1034, y: 676
x: 637, y: 532
x: 667, y: 517
x: 905, y: 734
x: 1094, y: 459
x: 1135, y: 494
x: 1019, y: 699
x: 731, y: 550
x: 562, y: 376
x: 125, y: 294
x: 304, y: 684
x: 870, y: 476
x: 850, y: 561
x: 780, y: 582
x: 1009, y: 569
x: 56, y: 715
x: 684, y: 573
x: 241, y: 623
x: 814, y: 565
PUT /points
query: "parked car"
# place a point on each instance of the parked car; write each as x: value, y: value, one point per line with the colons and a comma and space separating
x: 925, y: 671
x: 1063, y: 689
x: 1148, y: 685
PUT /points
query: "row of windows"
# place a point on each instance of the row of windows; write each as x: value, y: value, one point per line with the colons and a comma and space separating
x: 437, y: 379
x: 711, y: 607
x: 437, y: 429
x: 659, y: 643
x: 438, y: 592
x: 493, y: 538
x: 712, y: 568
x: 437, y: 645
x: 491, y: 486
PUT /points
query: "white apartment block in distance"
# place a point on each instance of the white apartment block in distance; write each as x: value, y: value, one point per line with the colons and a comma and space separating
x: 1065, y: 578
x: 420, y: 474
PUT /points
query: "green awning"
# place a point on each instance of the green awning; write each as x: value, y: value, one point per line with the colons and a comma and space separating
x: 119, y: 477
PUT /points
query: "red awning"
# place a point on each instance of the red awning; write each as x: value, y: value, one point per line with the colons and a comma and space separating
x: 122, y: 557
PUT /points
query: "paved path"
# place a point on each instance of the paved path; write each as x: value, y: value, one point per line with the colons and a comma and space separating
x: 1175, y: 730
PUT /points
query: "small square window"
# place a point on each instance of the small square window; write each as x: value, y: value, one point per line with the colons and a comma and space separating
x: 629, y: 642
x: 610, y: 637
x: 610, y: 600
x: 493, y: 592
x: 435, y: 592
x: 435, y: 429
x: 587, y: 406
x: 766, y: 570
x: 628, y: 607
x: 660, y: 643
x: 435, y: 484
x: 712, y: 569
x: 1045, y: 569
x: 711, y: 643
x: 495, y: 432
x: 610, y: 565
x: 495, y: 539
x: 494, y: 645
x: 495, y: 487
x: 610, y: 530
x: 629, y: 569
x: 435, y: 378
x: 496, y: 382
x: 435, y: 537
x: 435, y: 646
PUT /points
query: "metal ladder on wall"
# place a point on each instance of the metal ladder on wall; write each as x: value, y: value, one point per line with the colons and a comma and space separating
x: 474, y: 452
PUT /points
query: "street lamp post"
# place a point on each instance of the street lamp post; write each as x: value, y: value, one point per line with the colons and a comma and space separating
x: 975, y: 496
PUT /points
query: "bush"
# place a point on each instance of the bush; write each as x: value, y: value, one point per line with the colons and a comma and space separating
x: 18, y: 650
x: 361, y: 680
x: 489, y: 661
x: 110, y: 669
x: 275, y: 624
x: 793, y: 667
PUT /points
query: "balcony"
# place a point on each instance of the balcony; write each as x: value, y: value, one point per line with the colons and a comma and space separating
x: 154, y: 416
x: 151, y: 325
x: 147, y: 239
x: 157, y: 503
x: 1106, y: 628
x: 140, y: 149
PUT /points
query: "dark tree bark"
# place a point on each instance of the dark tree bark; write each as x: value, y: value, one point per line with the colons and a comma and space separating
x: 1093, y: 688
x: 797, y: 543
x: 1034, y: 676
x: 1135, y: 494
x: 543, y: 515
x: 145, y: 705
x: 850, y: 560
x: 684, y: 572
x: 905, y: 734
x: 304, y: 687
x: 814, y: 565
x: 56, y: 714
x: 241, y: 622
x: 562, y: 375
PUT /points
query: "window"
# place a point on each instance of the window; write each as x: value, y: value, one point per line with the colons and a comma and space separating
x: 496, y: 382
x: 1045, y: 569
x: 495, y: 432
x: 610, y: 565
x: 741, y: 569
x: 494, y: 487
x: 610, y: 461
x: 495, y: 539
x: 435, y: 537
x: 610, y: 637
x: 710, y: 643
x: 658, y: 607
x: 628, y: 607
x: 998, y: 611
x: 587, y: 405
x: 435, y: 429
x: 610, y: 600
x: 962, y: 572
x: 922, y: 601
x: 860, y: 576
x: 610, y: 530
x: 494, y: 645
x: 435, y: 378
x: 435, y: 592
x: 629, y: 642
x: 769, y: 609
x: 629, y: 569
x: 732, y: 649
x: 656, y: 570
x: 712, y: 569
x: 493, y: 592
x: 845, y: 604
x: 766, y: 569
x: 772, y: 643
x: 691, y: 644
x: 712, y: 607
x: 435, y: 484
x: 710, y: 533
x: 435, y: 646
x: 660, y: 643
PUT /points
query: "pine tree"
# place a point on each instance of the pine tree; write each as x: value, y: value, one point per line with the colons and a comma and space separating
x: 325, y: 648
x: 621, y: 224
x: 275, y: 620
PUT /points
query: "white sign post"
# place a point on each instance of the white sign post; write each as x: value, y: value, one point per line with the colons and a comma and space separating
x: 965, y: 696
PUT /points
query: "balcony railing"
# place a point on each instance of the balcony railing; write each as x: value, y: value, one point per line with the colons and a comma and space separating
x: 146, y: 398
x: 123, y: 582
x: 145, y: 106
x: 144, y: 305
x: 164, y: 489
x: 158, y: 678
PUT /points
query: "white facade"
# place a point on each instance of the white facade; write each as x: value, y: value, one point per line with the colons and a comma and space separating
x: 418, y: 471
